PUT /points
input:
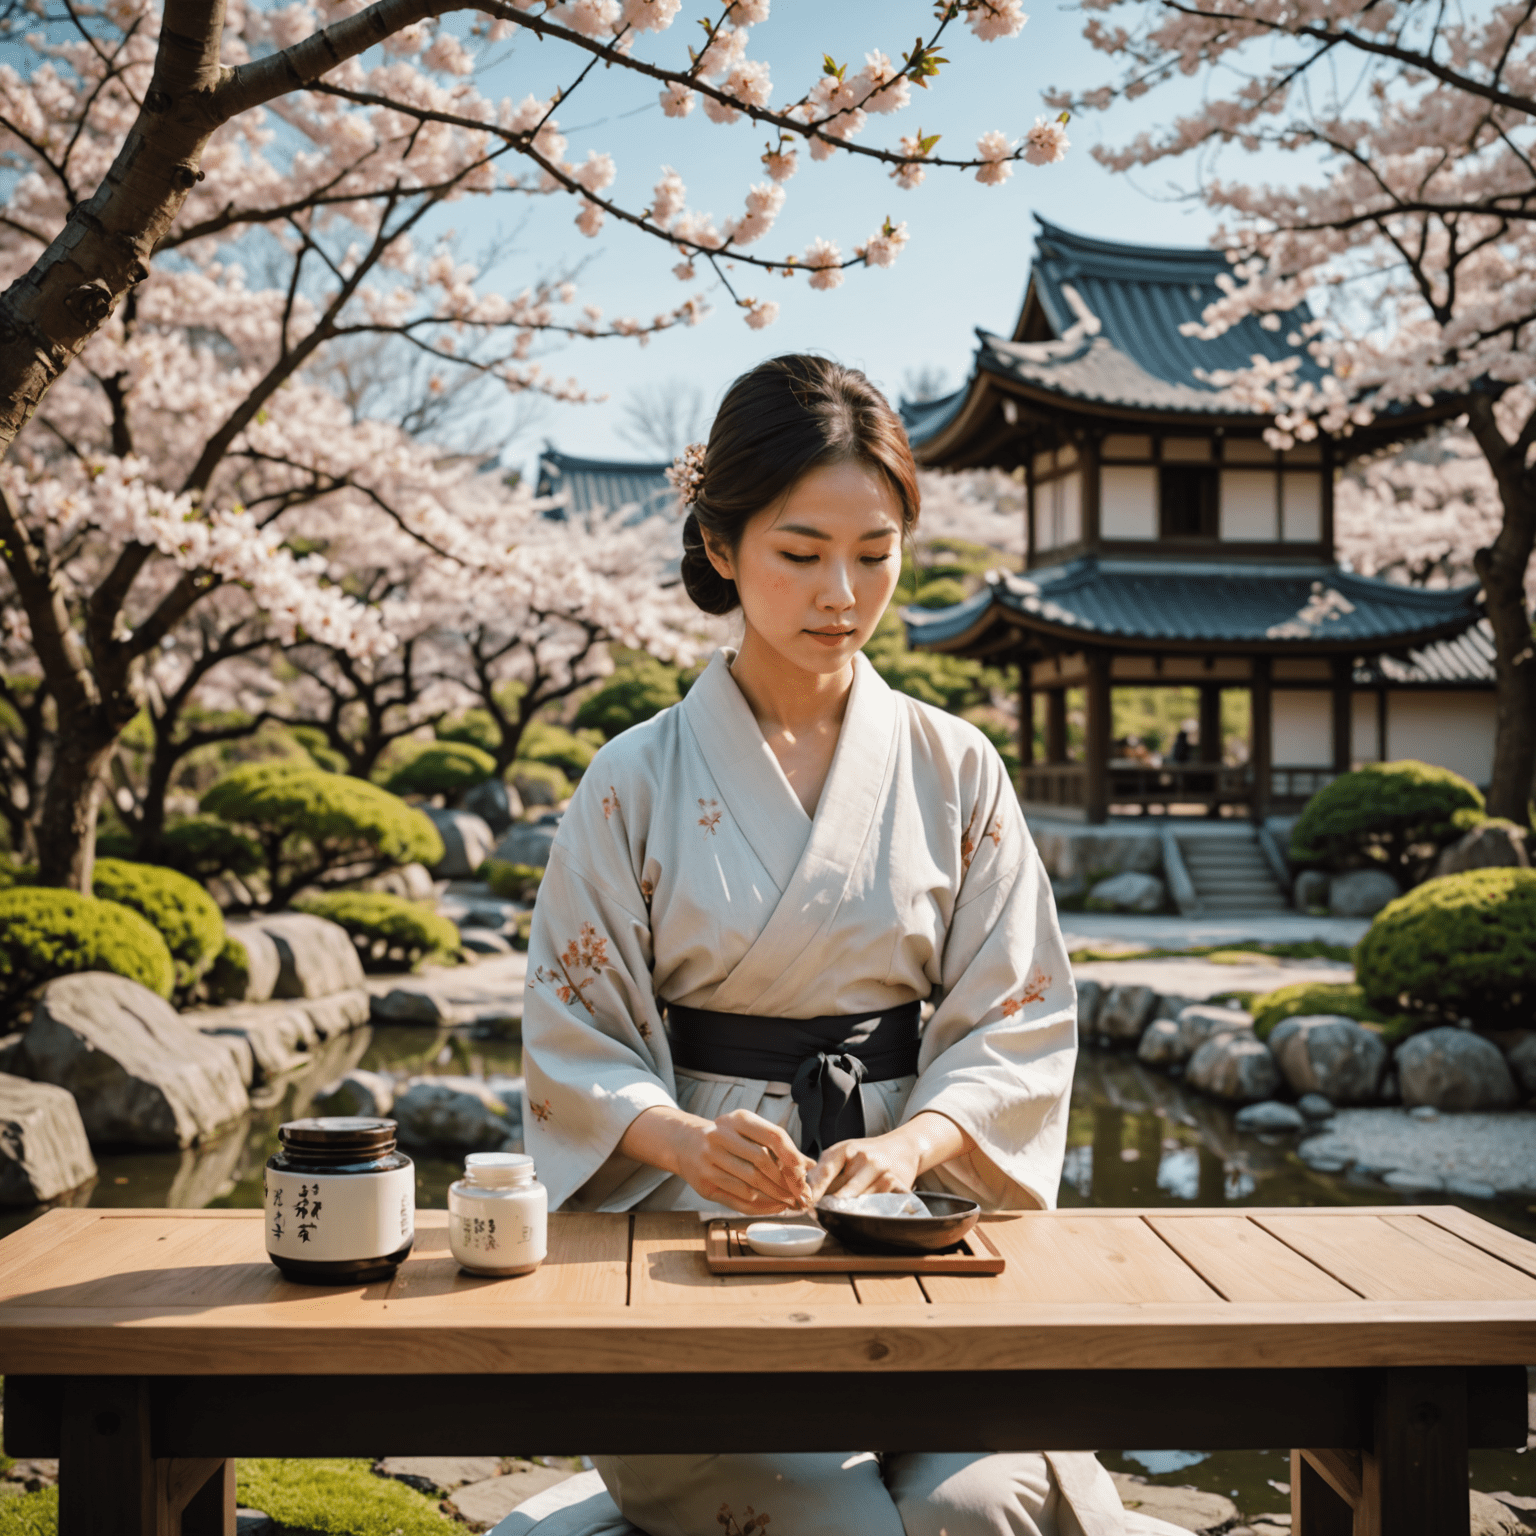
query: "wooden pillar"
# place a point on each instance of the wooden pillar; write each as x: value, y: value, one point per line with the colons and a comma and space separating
x: 1210, y: 723
x: 1381, y: 725
x: 1026, y: 716
x: 1096, y: 744
x: 1261, y: 741
x: 1055, y: 725
x: 1343, y: 713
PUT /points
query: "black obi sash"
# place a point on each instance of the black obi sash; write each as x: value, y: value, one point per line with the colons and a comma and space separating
x: 823, y: 1060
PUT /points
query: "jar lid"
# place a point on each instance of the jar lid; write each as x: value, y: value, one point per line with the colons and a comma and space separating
x: 499, y: 1169
x: 339, y: 1133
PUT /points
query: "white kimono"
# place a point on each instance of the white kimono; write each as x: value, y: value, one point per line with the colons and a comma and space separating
x: 686, y: 870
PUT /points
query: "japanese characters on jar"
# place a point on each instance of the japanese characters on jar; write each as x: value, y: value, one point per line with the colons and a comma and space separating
x: 498, y: 1215
x: 340, y: 1201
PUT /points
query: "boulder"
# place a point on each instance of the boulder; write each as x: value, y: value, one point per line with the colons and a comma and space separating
x: 1202, y: 1021
x: 495, y: 802
x: 1270, y: 1116
x: 278, y: 1036
x: 482, y: 941
x: 1070, y: 854
x: 1310, y: 891
x: 529, y: 842
x: 338, y: 1013
x: 1522, y: 1060
x: 1234, y: 1066
x: 317, y: 957
x: 1125, y: 1012
x: 1090, y: 996
x: 43, y: 1147
x: 415, y: 1005
x: 452, y: 1115
x: 485, y: 1504
x: 140, y: 1074
x: 369, y: 1094
x: 264, y: 963
x: 1494, y: 845
x: 1189, y: 1509
x: 1361, y: 893
x: 412, y: 881
x: 1451, y: 1068
x: 1130, y: 892
x: 1160, y: 1044
x: 1171, y: 1005
x: 467, y: 842
x: 1331, y: 1055
x: 1314, y: 1107
x: 1491, y: 1517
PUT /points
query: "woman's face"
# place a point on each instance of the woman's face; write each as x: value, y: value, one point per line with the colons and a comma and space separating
x: 816, y: 570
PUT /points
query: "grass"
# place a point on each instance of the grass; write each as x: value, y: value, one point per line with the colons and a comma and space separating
x: 32, y: 1514
x: 1249, y: 952
x: 335, y: 1498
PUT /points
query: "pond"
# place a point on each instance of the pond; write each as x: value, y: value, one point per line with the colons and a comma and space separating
x: 1135, y: 1139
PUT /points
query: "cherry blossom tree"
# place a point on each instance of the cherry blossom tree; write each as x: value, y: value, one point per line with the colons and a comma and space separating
x: 1411, y: 227
x: 206, y: 200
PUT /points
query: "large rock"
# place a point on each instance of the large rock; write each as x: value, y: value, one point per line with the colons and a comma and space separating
x: 1189, y: 1509
x: 451, y: 1114
x: 1203, y: 1021
x: 1234, y: 1066
x: 495, y: 802
x: 1130, y: 892
x: 1452, y: 1068
x: 1310, y: 892
x: 141, y: 1075
x: 1522, y: 1060
x: 337, y: 1013
x: 43, y: 1147
x: 467, y: 843
x: 1331, y: 1055
x: 264, y: 962
x: 1361, y: 893
x: 317, y: 957
x: 1159, y: 1045
x: 1070, y: 855
x: 1090, y: 997
x: 1125, y: 1012
x: 1270, y: 1117
x: 281, y: 1036
x: 1494, y: 845
x: 369, y: 1094
x: 529, y: 842
x: 412, y: 881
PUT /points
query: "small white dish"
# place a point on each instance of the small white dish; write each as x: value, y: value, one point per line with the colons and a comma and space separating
x: 783, y: 1239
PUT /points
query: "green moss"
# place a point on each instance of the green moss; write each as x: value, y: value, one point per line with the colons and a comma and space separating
x: 230, y: 974
x: 512, y: 882
x: 46, y: 933
x: 1308, y: 997
x: 940, y: 592
x: 1385, y: 814
x: 338, y: 1498
x: 32, y: 1514
x: 321, y: 753
x: 391, y: 933
x: 187, y: 917
x: 1310, y: 949
x: 441, y: 768
x: 1463, y: 946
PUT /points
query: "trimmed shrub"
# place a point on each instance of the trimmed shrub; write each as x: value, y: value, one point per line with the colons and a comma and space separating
x: 391, y: 933
x: 540, y: 783
x: 321, y: 753
x: 1308, y: 997
x: 203, y: 846
x: 441, y: 768
x: 1461, y: 946
x: 45, y: 932
x: 186, y: 916
x: 1383, y: 814
x: 634, y: 693
x: 12, y: 873
x: 542, y: 742
x: 940, y: 592
x: 473, y: 727
x: 311, y: 824
x: 512, y: 882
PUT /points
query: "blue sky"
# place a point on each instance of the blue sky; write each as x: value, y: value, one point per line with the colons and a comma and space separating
x: 970, y: 245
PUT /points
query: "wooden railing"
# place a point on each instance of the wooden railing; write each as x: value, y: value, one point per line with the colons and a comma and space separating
x: 1298, y: 784
x: 1179, y: 784
x: 1061, y: 784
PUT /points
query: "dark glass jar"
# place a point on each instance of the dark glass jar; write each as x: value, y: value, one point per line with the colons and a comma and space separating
x: 340, y: 1201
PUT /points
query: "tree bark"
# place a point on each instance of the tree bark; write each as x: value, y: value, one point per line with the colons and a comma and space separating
x: 66, y: 829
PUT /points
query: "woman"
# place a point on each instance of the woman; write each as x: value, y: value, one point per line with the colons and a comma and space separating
x: 749, y: 899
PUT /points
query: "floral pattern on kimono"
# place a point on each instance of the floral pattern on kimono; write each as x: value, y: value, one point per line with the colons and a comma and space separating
x: 697, y: 870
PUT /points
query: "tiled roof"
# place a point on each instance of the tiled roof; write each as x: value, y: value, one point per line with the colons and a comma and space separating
x: 1468, y: 658
x: 604, y: 485
x: 1270, y: 608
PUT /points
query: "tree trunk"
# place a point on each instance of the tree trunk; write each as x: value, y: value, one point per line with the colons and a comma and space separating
x: 66, y: 830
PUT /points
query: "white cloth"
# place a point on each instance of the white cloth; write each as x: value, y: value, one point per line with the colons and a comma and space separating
x: 687, y: 870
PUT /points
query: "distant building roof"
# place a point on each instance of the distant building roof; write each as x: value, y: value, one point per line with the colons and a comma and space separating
x: 1159, y: 605
x: 604, y: 485
x: 1466, y: 660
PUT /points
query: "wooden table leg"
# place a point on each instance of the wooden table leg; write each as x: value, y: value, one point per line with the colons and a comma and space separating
x: 110, y: 1483
x: 1325, y: 1490
x: 1414, y: 1480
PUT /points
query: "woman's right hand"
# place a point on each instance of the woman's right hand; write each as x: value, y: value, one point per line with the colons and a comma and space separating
x: 740, y: 1159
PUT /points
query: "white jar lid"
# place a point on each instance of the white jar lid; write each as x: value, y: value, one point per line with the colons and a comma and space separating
x: 499, y: 1170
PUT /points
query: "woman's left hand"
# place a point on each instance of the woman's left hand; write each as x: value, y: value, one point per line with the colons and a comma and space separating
x: 893, y: 1161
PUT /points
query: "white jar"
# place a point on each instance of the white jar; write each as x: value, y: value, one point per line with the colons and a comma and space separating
x: 498, y: 1215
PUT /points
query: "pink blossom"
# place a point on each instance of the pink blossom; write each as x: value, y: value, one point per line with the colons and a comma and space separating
x: 991, y: 19
x: 747, y: 13
x: 590, y: 219
x: 764, y: 203
x: 596, y: 172
x: 677, y: 100
x: 719, y: 111
x: 749, y: 83
x: 781, y: 163
x: 668, y: 197
x: 761, y: 313
x: 823, y: 259
x: 882, y: 250
x: 651, y: 15
x: 996, y: 149
x: 1046, y: 142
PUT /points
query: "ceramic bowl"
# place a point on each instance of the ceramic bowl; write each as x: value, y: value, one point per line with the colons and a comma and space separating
x: 783, y: 1239
x: 950, y: 1218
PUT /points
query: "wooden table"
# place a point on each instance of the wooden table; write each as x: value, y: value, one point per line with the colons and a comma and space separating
x: 145, y: 1348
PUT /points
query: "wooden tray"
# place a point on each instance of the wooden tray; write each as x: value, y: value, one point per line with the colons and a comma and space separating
x: 726, y: 1253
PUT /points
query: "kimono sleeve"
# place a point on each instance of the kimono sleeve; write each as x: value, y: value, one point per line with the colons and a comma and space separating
x: 998, y: 1053
x: 594, y: 1050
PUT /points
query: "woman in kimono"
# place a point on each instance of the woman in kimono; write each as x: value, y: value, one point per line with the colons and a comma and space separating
x: 747, y: 905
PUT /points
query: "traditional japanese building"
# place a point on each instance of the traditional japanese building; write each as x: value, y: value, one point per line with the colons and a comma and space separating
x: 604, y: 486
x: 1169, y: 545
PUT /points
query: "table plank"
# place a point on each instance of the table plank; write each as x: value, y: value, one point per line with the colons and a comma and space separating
x: 1483, y: 1234
x: 667, y: 1268
x: 23, y: 1249
x: 1064, y: 1256
x: 889, y: 1290
x: 1402, y: 1257
x: 1243, y: 1262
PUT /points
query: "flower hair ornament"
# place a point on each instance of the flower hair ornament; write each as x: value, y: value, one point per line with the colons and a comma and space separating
x: 686, y: 473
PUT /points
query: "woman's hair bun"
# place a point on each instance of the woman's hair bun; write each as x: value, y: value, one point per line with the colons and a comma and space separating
x: 709, y: 590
